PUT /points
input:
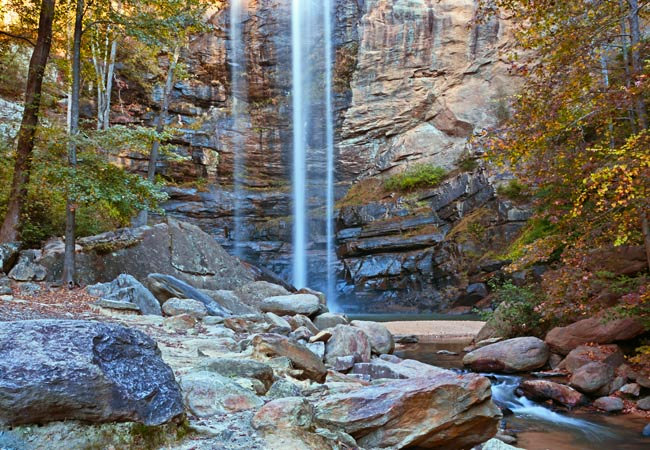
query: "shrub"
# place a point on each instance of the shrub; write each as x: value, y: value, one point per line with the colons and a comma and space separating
x: 514, y: 190
x: 418, y: 176
x: 516, y: 311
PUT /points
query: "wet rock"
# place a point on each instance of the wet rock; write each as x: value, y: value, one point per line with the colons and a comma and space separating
x: 291, y: 305
x: 284, y: 388
x: 127, y: 289
x: 104, y: 373
x: 27, y: 268
x: 178, y: 306
x: 8, y: 255
x: 610, y: 355
x: 347, y: 341
x: 631, y: 389
x: 609, y: 404
x: 284, y: 413
x: 415, y: 412
x: 594, y: 330
x: 239, y: 368
x: 207, y: 394
x: 381, y: 340
x: 165, y: 287
x: 646, y: 431
x: 301, y: 357
x: 330, y: 320
x: 591, y: 377
x: 514, y: 355
x: 407, y: 368
x: 542, y: 390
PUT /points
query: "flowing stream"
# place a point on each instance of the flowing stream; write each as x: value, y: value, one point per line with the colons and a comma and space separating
x: 536, y: 426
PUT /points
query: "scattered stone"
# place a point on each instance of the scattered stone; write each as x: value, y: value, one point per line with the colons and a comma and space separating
x: 178, y: 306
x: 407, y: 413
x: 239, y: 368
x: 554, y: 360
x: 347, y: 341
x: 299, y: 320
x: 591, y: 377
x: 104, y: 373
x: 126, y: 289
x: 302, y: 358
x: 165, y: 287
x: 497, y: 444
x: 514, y: 355
x: 248, y: 324
x: 644, y: 404
x: 115, y: 304
x: 380, y: 368
x: 291, y: 305
x: 549, y: 374
x: 29, y: 288
x: 631, y: 389
x: 322, y: 336
x: 27, y: 269
x: 284, y: 413
x: 229, y: 301
x: 446, y: 352
x: 593, y: 330
x: 183, y: 322
x: 301, y: 334
x: 7, y: 298
x: 609, y: 404
x: 317, y: 348
x: 381, y: 340
x: 542, y: 390
x: 253, y: 293
x: 284, y: 388
x: 212, y: 320
x: 406, y: 339
x: 343, y: 363
x: 330, y: 320
x: 278, y: 324
x: 5, y: 286
x: 207, y: 394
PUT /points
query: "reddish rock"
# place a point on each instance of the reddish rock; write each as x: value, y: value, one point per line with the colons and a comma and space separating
x: 415, y: 413
x: 541, y: 390
x: 609, y: 404
x: 610, y: 355
x: 381, y: 340
x: 593, y: 330
x: 592, y: 377
x: 284, y: 413
x: 347, y: 341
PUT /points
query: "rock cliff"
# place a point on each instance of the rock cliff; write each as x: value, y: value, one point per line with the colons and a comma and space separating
x: 413, y: 81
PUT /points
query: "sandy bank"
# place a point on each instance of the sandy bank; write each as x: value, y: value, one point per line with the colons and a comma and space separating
x: 437, y: 330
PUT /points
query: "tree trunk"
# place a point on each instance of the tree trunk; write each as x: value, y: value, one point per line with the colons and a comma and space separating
x: 637, y: 63
x: 69, y: 257
x: 645, y: 225
x: 25, y: 147
x: 160, y: 126
x: 626, y: 61
x: 106, y: 119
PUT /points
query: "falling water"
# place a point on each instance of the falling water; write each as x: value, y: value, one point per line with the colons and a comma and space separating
x: 329, y: 113
x: 239, y: 90
x: 299, y: 79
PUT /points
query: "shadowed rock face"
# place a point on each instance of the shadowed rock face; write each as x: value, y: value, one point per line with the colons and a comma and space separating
x: 54, y: 370
x: 443, y: 411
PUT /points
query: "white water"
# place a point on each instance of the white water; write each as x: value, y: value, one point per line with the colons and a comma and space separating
x: 239, y: 90
x: 503, y: 394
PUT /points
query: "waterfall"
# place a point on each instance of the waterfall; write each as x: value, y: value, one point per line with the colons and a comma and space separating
x: 239, y: 90
x: 313, y: 143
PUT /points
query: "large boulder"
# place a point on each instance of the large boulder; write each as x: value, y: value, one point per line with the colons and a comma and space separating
x: 542, y: 390
x: 126, y: 289
x: 53, y: 370
x: 179, y: 306
x: 347, y: 341
x: 594, y: 330
x: 330, y: 320
x: 591, y: 377
x: 442, y: 411
x: 254, y: 292
x: 395, y: 368
x: 301, y: 357
x: 514, y: 355
x: 172, y: 248
x: 28, y: 267
x: 290, y: 305
x: 610, y: 355
x: 165, y: 287
x: 239, y: 368
x: 381, y: 340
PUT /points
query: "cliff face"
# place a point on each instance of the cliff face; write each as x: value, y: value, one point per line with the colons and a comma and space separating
x: 413, y: 80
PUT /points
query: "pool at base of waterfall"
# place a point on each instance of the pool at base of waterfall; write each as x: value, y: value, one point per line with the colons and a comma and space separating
x: 536, y: 426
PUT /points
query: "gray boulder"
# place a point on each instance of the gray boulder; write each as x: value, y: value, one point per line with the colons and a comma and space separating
x: 330, y: 320
x: 347, y: 341
x: 230, y: 301
x: 53, y: 370
x: 8, y: 255
x: 253, y: 293
x: 609, y: 404
x: 165, y: 287
x: 290, y: 305
x: 395, y: 368
x: 5, y: 286
x: 239, y: 368
x: 27, y: 268
x: 178, y: 306
x: 126, y: 289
